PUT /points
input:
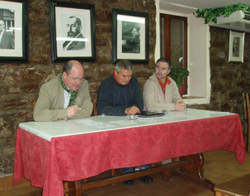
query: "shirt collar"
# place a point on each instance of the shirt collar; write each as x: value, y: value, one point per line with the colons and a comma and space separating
x: 115, y: 78
x: 167, y: 81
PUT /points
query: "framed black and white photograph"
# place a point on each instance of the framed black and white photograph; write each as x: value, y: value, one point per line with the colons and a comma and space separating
x: 72, y: 29
x: 236, y: 46
x: 130, y: 38
x: 13, y: 30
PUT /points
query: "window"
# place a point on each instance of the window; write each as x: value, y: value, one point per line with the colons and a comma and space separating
x: 174, y: 40
x: 198, y: 43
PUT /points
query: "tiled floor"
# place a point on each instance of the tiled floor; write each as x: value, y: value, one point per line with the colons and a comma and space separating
x: 220, y: 166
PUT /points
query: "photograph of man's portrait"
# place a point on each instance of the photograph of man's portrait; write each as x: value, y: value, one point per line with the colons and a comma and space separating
x: 72, y: 36
x: 73, y: 32
x: 7, y: 34
x: 131, y: 37
x: 236, y: 46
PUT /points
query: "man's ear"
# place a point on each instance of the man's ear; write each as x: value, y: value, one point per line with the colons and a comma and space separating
x: 169, y: 71
x: 64, y: 75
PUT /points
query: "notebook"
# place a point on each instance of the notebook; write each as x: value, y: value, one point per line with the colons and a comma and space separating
x: 148, y: 114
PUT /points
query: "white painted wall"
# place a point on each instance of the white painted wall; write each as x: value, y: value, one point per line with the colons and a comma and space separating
x: 198, y: 55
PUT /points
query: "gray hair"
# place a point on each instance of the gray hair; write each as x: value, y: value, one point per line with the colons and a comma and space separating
x: 123, y: 64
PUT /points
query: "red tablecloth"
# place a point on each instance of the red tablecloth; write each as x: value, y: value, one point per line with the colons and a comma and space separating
x: 71, y: 158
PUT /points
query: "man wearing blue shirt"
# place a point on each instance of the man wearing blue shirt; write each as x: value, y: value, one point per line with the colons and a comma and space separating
x: 120, y: 95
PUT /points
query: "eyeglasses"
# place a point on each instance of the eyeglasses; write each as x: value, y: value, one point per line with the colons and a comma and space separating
x: 77, y: 79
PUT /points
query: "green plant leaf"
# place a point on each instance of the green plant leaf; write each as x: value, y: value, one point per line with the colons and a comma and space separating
x: 211, y: 14
x: 179, y: 74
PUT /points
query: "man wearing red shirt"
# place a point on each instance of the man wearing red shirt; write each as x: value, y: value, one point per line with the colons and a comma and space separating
x: 160, y: 92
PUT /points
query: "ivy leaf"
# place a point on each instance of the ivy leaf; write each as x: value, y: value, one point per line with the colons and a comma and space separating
x: 211, y: 14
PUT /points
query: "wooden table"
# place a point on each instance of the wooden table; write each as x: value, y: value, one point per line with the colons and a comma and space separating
x: 49, y: 153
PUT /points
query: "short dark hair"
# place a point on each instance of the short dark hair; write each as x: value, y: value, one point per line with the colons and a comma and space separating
x: 123, y: 64
x: 67, y: 67
x: 165, y: 61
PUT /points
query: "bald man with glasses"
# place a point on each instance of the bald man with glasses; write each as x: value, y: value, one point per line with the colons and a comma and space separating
x: 65, y: 96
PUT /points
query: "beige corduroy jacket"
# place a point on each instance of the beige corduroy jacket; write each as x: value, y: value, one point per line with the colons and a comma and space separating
x: 153, y: 97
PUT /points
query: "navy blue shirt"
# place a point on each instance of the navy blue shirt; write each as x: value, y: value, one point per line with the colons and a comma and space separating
x: 114, y: 98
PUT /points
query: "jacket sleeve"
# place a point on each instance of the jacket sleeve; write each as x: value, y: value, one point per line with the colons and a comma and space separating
x: 86, y: 104
x: 176, y: 94
x: 43, y: 110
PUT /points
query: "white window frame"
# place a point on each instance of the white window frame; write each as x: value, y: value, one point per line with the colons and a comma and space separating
x: 199, y: 86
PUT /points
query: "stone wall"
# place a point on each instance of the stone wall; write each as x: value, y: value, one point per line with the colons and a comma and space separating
x: 20, y: 82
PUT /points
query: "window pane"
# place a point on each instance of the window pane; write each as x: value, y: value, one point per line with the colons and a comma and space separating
x: 177, y: 42
x: 162, y: 38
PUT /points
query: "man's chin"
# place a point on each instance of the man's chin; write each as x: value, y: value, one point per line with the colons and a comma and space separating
x: 159, y: 76
x: 75, y: 89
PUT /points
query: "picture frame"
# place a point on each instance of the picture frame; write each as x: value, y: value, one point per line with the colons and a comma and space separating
x: 14, y: 30
x: 72, y: 31
x: 130, y: 36
x: 236, y: 46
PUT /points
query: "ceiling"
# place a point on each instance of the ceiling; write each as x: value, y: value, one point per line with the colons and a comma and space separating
x: 189, y: 6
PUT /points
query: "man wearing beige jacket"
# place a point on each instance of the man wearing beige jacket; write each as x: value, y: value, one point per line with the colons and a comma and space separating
x: 65, y: 96
x: 160, y: 92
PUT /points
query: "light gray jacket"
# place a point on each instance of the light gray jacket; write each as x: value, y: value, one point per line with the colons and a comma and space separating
x: 153, y: 97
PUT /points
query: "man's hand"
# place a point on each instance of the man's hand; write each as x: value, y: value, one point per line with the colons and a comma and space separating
x: 132, y: 110
x: 72, y: 110
x: 180, y: 105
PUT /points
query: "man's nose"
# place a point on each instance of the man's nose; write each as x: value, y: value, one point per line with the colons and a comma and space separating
x: 79, y: 81
x: 159, y: 70
x: 69, y: 29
